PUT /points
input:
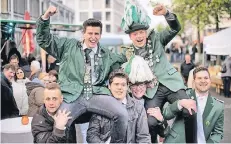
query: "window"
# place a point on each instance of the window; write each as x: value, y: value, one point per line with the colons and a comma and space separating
x: 97, y: 4
x: 108, y: 28
x: 34, y: 8
x: 108, y: 3
x: 4, y: 6
x: 108, y: 16
x: 20, y: 6
x: 97, y: 15
x: 83, y: 4
x: 83, y: 16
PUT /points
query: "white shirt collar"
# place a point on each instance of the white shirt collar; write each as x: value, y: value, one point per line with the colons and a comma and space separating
x: 124, y: 101
x: 93, y: 49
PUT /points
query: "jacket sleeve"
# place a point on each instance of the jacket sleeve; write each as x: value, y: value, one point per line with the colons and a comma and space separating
x: 168, y: 34
x: 93, y: 132
x: 142, y: 134
x: 217, y: 133
x: 171, y: 111
x: 53, y: 45
x: 117, y: 60
x: 38, y: 96
x: 41, y: 133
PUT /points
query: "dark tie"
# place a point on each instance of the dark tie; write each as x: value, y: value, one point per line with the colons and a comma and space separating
x: 87, y: 51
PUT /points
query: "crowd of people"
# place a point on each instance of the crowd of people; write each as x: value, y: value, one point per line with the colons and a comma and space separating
x: 122, y: 96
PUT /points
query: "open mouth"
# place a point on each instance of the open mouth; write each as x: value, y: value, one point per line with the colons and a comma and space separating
x: 139, y: 41
x: 93, y: 41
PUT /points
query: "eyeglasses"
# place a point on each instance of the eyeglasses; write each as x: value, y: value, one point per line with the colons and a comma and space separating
x: 135, y: 86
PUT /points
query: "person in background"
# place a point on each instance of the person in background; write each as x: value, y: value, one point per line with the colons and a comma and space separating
x: 9, y: 107
x: 49, y: 123
x: 53, y: 76
x: 20, y: 92
x: 226, y: 77
x: 186, y: 67
x: 35, y: 91
x: 14, y: 60
x: 35, y: 70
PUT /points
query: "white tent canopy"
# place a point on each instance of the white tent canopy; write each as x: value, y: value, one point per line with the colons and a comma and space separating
x: 218, y: 43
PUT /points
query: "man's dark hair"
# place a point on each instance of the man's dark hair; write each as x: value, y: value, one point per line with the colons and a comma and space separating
x: 9, y: 66
x: 119, y: 73
x: 14, y: 57
x: 199, y: 69
x: 92, y: 22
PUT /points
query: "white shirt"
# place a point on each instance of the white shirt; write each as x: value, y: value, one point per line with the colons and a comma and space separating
x: 92, y: 54
x: 201, y: 103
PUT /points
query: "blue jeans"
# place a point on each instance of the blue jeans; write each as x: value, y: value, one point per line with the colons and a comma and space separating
x: 81, y: 110
x: 226, y: 85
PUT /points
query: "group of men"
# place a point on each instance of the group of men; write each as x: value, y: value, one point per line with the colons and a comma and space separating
x: 90, y: 82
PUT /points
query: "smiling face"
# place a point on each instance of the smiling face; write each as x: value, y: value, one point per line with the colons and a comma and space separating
x: 202, y: 81
x: 92, y: 36
x: 138, y: 38
x: 138, y: 90
x: 19, y: 74
x: 119, y: 88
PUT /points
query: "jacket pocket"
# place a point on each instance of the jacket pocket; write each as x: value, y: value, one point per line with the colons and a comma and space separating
x: 172, y: 71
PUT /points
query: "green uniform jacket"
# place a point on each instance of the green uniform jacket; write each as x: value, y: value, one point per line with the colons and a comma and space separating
x: 72, y: 66
x: 213, y: 121
x: 163, y: 70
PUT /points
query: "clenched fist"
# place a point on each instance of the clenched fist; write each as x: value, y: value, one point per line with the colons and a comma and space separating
x: 159, y: 10
x: 50, y: 12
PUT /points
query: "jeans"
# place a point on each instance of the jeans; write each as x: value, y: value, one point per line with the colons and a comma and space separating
x: 163, y: 95
x: 226, y: 83
x: 81, y: 110
x: 83, y: 129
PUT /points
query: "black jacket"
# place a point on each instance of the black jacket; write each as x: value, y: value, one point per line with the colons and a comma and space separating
x: 43, y: 129
x: 186, y: 68
x: 9, y: 107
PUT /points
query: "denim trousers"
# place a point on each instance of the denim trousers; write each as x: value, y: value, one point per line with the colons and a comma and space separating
x: 82, y: 109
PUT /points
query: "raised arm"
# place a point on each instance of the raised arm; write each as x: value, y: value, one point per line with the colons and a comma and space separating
x: 168, y: 34
x: 53, y: 45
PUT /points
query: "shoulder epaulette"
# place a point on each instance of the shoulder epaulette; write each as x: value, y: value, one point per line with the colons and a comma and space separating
x: 219, y: 100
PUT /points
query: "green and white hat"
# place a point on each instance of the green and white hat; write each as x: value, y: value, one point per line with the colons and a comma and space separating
x: 138, y: 70
x: 134, y: 18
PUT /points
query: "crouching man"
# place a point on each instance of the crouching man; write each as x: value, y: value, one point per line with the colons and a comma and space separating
x: 48, y: 124
x: 99, y: 130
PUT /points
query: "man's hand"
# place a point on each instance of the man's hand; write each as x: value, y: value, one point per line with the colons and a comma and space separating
x: 155, y: 112
x: 189, y: 104
x: 159, y: 10
x: 50, y: 12
x: 61, y: 118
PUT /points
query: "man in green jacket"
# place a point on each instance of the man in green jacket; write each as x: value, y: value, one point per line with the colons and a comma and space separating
x: 209, y: 120
x: 168, y: 83
x: 83, y: 74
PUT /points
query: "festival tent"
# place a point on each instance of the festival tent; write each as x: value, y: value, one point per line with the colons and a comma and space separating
x: 218, y: 43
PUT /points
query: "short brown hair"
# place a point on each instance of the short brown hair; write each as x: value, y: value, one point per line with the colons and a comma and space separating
x: 52, y: 86
x: 54, y: 73
x: 10, y: 66
x: 199, y: 69
x: 14, y: 57
x: 118, y: 73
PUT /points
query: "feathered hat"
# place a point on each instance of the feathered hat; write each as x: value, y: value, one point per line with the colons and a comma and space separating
x: 134, y: 18
x: 138, y: 70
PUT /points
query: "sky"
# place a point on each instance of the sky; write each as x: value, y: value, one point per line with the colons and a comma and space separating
x: 155, y: 19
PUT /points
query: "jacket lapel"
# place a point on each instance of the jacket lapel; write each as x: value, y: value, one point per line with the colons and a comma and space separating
x: 209, y: 107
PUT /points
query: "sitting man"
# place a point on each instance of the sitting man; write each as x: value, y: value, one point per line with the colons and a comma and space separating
x: 48, y: 124
x: 209, y: 119
x: 137, y: 130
